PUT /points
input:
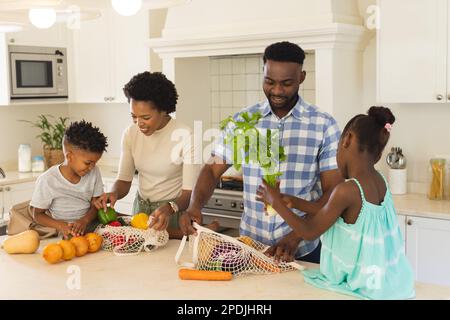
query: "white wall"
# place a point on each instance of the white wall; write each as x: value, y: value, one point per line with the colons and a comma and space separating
x: 421, y: 130
x: 13, y: 132
x: 111, y: 118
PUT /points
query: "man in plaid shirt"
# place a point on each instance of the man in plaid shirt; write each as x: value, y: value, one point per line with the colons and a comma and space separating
x: 310, y: 138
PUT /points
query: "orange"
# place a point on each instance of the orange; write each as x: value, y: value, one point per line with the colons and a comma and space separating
x: 81, y: 245
x: 94, y: 240
x: 52, y: 253
x: 69, y: 249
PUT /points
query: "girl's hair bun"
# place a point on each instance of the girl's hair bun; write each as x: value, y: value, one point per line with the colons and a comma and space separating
x: 381, y: 115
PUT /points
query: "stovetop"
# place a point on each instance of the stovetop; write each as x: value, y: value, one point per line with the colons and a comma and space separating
x: 230, y: 185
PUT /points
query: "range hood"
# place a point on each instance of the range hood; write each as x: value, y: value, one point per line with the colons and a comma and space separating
x: 333, y: 29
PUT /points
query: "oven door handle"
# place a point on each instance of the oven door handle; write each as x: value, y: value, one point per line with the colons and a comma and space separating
x: 220, y: 215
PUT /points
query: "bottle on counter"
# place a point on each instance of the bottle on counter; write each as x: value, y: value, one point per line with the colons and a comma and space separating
x: 24, y: 164
x: 436, y: 179
x: 38, y: 164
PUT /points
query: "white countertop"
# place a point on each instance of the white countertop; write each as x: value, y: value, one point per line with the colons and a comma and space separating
x: 419, y: 205
x: 151, y: 275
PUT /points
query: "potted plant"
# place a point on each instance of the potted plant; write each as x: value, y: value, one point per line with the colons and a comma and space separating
x: 52, y: 133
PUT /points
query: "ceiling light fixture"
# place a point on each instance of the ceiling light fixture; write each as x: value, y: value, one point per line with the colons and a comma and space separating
x: 42, y: 18
x: 126, y: 7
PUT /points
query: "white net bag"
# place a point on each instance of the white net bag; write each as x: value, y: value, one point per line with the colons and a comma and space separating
x: 127, y: 240
x: 218, y: 252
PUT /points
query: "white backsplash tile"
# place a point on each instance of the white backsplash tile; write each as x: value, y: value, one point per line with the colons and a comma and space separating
x: 236, y: 83
x: 238, y: 65
x: 225, y: 66
x: 225, y: 83
x: 252, y: 82
x: 239, y: 83
x: 225, y: 112
x: 252, y: 97
x: 226, y: 99
x: 239, y: 99
x: 214, y: 67
x: 215, y: 83
x: 215, y: 99
x: 252, y: 65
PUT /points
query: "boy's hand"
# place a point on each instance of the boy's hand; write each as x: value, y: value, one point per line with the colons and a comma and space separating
x: 78, y: 227
x: 268, y: 194
x: 102, y: 201
x: 65, y: 229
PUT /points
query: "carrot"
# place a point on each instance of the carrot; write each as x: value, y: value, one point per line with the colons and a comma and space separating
x: 191, y: 274
x: 271, y: 267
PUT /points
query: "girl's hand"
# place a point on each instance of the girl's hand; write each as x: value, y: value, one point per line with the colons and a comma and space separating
x: 161, y: 217
x: 268, y: 194
x: 102, y: 201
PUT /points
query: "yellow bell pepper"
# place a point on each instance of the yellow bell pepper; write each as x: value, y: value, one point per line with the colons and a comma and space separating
x: 140, y: 221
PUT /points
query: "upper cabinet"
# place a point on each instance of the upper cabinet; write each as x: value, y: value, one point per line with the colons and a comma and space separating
x: 108, y: 51
x: 413, y: 54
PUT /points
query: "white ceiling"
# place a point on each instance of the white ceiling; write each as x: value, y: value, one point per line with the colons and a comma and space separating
x: 16, y: 11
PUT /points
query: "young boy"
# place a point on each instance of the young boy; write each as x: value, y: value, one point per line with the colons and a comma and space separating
x: 67, y: 190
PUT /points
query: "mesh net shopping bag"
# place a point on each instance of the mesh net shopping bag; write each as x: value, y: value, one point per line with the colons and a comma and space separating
x: 242, y: 255
x: 127, y: 240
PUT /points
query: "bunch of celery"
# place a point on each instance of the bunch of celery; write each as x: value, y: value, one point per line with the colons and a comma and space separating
x: 252, y: 146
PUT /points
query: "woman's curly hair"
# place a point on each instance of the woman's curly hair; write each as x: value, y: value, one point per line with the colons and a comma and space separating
x: 84, y: 136
x: 153, y: 87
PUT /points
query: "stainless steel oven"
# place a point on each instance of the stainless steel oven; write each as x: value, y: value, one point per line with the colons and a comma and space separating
x: 226, y: 207
x: 38, y: 72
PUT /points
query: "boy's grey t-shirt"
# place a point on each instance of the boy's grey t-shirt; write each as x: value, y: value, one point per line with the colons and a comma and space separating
x: 65, y: 200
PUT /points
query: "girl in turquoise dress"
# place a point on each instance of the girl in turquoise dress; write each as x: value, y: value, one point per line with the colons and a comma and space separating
x: 362, y: 247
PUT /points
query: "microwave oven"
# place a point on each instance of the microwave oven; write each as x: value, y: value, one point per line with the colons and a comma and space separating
x: 38, y: 72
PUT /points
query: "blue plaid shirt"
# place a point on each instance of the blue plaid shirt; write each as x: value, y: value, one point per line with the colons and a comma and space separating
x: 310, y: 139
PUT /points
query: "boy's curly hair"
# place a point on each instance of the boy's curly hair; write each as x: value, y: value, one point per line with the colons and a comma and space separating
x: 84, y: 136
x: 154, y: 87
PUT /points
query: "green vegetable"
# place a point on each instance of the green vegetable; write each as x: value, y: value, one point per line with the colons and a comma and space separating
x: 251, y: 145
x: 106, y: 217
x: 122, y: 222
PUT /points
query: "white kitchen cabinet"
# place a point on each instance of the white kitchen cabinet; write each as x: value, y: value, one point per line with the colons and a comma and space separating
x: 427, y: 249
x: 12, y: 194
x: 402, y: 224
x: 413, y: 54
x: 56, y: 36
x: 124, y: 205
x: 108, y: 51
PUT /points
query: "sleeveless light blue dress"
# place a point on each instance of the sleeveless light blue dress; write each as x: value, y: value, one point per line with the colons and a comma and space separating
x: 365, y: 259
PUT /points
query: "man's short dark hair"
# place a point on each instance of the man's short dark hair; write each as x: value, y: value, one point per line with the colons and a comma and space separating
x: 86, y: 137
x: 153, y: 87
x: 284, y: 52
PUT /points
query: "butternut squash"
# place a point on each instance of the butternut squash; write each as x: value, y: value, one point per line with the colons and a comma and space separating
x: 24, y: 242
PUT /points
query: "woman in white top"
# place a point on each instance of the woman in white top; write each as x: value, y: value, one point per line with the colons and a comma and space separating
x: 151, y: 145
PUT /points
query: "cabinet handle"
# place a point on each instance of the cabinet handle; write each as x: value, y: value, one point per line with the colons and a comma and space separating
x: 439, y: 97
x: 448, y: 97
x: 409, y: 222
x: 8, y: 189
x: 1, y: 189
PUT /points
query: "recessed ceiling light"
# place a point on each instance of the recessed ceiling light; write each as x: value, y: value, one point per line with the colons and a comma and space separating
x: 42, y: 18
x: 126, y: 7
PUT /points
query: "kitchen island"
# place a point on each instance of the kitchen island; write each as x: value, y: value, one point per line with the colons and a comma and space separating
x: 153, y: 275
